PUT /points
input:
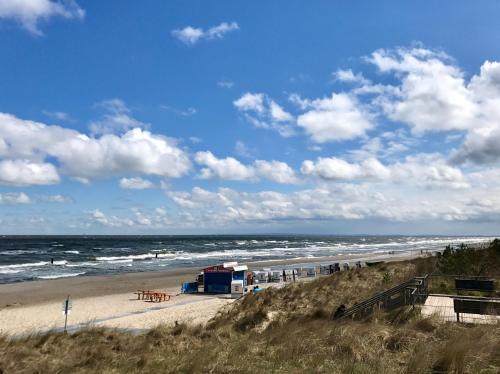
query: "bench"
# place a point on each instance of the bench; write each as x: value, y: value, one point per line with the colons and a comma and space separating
x: 153, y: 296
x: 483, y: 285
x: 471, y: 305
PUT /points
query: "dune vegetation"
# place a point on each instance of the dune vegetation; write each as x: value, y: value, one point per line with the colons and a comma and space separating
x: 288, y: 330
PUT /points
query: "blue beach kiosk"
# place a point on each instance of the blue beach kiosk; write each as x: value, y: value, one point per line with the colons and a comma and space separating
x: 218, y: 278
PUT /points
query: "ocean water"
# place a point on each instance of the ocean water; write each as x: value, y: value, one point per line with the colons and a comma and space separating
x: 26, y: 258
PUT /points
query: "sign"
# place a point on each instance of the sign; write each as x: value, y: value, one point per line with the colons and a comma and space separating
x: 67, y: 305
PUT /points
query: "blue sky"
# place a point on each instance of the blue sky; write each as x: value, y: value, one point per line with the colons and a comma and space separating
x: 249, y: 117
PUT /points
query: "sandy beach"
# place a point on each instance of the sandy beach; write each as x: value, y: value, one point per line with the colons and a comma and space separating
x: 109, y: 301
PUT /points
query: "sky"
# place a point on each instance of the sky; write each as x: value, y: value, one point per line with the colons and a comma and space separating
x: 227, y: 117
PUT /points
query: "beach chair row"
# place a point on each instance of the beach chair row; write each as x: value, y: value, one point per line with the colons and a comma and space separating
x: 290, y: 274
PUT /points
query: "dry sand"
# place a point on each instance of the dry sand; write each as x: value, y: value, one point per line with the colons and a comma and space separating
x: 109, y: 300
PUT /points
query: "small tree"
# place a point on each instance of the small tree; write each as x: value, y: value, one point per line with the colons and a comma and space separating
x: 462, y: 260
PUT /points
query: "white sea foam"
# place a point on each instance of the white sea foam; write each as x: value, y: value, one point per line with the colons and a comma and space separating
x: 120, y: 261
x: 73, y: 252
x: 143, y: 256
x: 10, y: 271
x: 56, y: 276
x: 81, y: 264
x: 16, y: 252
x: 26, y: 265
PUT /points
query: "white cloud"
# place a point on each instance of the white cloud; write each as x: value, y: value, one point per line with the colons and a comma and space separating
x: 339, y: 117
x: 423, y: 170
x: 29, y: 13
x: 227, y: 207
x: 241, y: 149
x: 188, y: 112
x: 110, y: 221
x: 432, y: 95
x: 263, y: 112
x: 61, y: 116
x: 195, y: 140
x: 250, y: 102
x: 14, y: 198
x: 116, y: 118
x: 227, y: 168
x: 334, y: 168
x: 230, y: 168
x: 225, y: 84
x: 83, y: 157
x: 278, y: 114
x: 56, y: 199
x: 137, y: 219
x: 349, y: 77
x: 136, y: 183
x: 276, y: 171
x: 191, y: 35
x: 25, y: 173
x: 428, y: 170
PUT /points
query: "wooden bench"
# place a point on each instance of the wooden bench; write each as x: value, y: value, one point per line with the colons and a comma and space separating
x: 470, y: 305
x: 483, y: 285
x: 153, y: 296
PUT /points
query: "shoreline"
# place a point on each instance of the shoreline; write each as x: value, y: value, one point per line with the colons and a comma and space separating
x: 108, y: 301
x: 43, y: 291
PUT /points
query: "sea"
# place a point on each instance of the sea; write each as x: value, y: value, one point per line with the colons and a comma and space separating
x: 28, y: 258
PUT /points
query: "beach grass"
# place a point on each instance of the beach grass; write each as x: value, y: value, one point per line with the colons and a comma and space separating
x: 284, y: 330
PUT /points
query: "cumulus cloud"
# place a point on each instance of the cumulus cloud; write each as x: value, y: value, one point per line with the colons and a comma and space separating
x: 230, y: 168
x: 14, y: 198
x: 424, y: 170
x: 432, y: 95
x: 110, y: 221
x: 250, y: 102
x: 29, y: 13
x: 25, y: 173
x: 136, y: 218
x: 334, y: 168
x: 191, y: 35
x: 263, y: 112
x: 28, y: 144
x: 335, y: 118
x: 136, y: 183
x: 345, y: 201
x: 227, y: 168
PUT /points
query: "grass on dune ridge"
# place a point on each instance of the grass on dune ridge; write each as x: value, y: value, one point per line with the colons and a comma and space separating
x: 287, y: 330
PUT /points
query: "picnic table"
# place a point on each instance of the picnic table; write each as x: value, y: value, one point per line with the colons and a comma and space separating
x: 153, y: 296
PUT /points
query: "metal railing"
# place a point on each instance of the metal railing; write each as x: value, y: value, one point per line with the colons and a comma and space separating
x: 411, y: 292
